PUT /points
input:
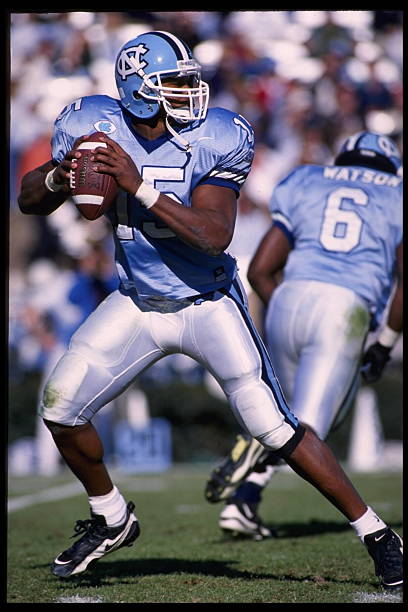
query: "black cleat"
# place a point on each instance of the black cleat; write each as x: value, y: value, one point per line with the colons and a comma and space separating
x: 385, y: 547
x: 232, y: 470
x: 98, y: 540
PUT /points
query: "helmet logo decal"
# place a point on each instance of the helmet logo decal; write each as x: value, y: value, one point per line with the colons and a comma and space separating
x: 129, y: 61
x: 388, y: 146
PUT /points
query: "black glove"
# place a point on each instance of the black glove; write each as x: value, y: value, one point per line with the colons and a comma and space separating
x: 374, y: 362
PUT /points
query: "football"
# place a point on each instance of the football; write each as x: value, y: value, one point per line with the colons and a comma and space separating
x: 92, y: 192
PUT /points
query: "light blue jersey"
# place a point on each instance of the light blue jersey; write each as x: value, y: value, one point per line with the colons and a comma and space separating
x: 150, y: 259
x: 344, y: 223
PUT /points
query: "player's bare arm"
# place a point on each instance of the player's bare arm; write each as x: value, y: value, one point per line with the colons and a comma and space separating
x: 378, y: 354
x: 268, y: 260
x: 35, y: 197
x: 208, y: 225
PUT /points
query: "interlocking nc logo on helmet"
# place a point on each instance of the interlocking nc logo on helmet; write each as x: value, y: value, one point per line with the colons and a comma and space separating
x: 126, y: 66
x: 388, y: 146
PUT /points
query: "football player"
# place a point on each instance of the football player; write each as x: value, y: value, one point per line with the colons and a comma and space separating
x: 179, y: 167
x: 337, y: 240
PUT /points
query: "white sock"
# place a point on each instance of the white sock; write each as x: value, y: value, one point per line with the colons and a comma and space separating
x: 112, y: 506
x: 368, y: 523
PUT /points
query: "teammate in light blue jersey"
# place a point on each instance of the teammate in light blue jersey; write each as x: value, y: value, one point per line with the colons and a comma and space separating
x: 344, y: 224
x: 179, y: 168
x: 336, y: 239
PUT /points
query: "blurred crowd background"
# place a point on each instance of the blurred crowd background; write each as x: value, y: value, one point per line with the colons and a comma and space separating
x: 305, y: 80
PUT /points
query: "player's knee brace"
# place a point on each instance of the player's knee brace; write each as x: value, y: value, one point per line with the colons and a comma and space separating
x: 271, y: 438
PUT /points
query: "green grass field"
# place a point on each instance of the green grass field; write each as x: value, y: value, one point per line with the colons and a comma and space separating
x: 183, y: 557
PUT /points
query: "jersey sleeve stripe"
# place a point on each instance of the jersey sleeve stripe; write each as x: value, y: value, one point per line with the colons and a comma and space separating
x: 285, y: 230
x: 238, y: 176
x: 279, y: 217
x: 221, y: 182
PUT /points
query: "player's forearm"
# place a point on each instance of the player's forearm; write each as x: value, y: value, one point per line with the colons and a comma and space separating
x: 205, y: 231
x: 35, y: 198
x: 266, y: 266
x: 395, y: 313
x: 264, y: 286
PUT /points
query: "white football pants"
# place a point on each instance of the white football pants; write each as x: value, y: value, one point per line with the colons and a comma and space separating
x: 120, y: 339
x: 315, y: 334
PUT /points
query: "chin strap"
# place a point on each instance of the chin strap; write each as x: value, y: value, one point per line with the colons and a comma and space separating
x: 184, y: 143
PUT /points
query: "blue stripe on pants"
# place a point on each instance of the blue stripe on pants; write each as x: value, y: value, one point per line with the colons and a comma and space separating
x: 268, y: 375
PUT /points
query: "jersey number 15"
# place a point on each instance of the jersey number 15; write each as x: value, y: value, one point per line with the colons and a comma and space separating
x: 151, y: 174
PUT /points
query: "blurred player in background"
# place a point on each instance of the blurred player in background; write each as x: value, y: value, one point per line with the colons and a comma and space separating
x: 180, y: 168
x: 337, y: 238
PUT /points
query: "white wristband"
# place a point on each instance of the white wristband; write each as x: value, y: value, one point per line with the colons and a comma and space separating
x: 147, y: 195
x: 388, y: 337
x: 49, y: 182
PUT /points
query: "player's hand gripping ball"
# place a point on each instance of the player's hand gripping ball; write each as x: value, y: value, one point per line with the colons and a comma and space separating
x: 92, y: 192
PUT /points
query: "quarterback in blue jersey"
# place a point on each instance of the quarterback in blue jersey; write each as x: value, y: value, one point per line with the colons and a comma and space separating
x: 336, y: 239
x: 179, y: 167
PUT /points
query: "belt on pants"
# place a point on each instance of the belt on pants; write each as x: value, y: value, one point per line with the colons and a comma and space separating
x: 205, y: 297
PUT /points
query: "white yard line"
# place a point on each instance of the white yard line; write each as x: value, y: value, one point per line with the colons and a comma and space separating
x: 361, y: 597
x: 79, y: 599
x: 75, y: 488
x: 68, y: 490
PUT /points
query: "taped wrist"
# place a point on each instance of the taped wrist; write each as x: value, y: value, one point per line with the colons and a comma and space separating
x: 49, y: 182
x: 147, y: 195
